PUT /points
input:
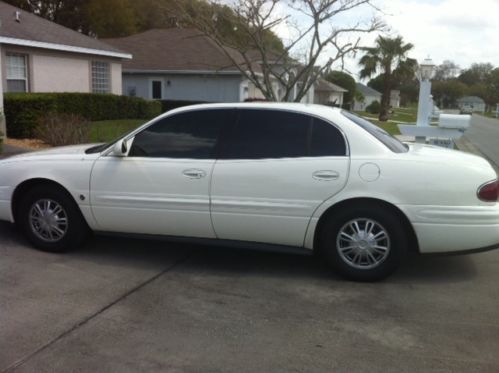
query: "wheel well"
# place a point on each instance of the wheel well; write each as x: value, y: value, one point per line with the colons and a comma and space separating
x: 372, y: 202
x: 27, y: 185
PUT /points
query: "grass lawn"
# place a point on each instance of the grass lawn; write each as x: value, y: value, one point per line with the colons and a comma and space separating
x: 108, y: 130
x: 406, y: 114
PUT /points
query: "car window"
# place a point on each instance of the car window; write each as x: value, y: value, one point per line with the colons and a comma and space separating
x: 326, y: 140
x: 388, y: 140
x: 264, y: 133
x: 184, y: 135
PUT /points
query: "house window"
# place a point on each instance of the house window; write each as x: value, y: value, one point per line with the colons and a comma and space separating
x: 101, y: 77
x: 157, y: 90
x: 17, y: 73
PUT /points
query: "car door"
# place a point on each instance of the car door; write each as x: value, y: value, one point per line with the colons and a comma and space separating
x: 276, y: 169
x: 162, y: 186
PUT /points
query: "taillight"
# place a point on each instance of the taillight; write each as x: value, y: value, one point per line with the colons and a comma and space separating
x: 489, y: 192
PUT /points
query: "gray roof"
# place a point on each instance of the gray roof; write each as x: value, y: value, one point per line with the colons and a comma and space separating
x: 367, y: 91
x: 32, y: 30
x: 322, y: 85
x: 471, y: 100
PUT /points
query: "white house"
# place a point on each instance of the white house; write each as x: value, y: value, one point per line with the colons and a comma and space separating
x: 475, y: 103
x: 328, y: 93
x: 369, y: 96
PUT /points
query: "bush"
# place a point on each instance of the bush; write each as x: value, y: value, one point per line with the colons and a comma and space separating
x: 23, y: 111
x: 167, y: 105
x: 62, y: 129
x: 374, y: 107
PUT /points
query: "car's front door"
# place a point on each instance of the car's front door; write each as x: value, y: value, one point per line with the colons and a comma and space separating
x: 162, y: 186
x: 278, y: 167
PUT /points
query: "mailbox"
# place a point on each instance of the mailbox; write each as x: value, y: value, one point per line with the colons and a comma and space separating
x: 454, y: 121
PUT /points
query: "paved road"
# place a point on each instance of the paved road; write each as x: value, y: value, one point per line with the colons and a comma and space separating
x: 484, y: 133
x: 129, y: 306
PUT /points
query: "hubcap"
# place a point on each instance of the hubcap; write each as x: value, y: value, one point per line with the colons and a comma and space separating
x: 48, y: 220
x: 363, y: 243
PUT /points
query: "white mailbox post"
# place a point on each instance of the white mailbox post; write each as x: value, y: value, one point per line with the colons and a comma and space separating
x: 450, y: 126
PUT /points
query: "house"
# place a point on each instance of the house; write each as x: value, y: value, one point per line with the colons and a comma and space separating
x: 328, y: 93
x: 37, y: 55
x: 41, y: 56
x: 183, y: 64
x: 369, y: 95
x: 394, y: 98
x: 471, y: 103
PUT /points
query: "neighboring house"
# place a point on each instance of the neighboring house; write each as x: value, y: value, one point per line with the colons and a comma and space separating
x: 41, y: 56
x: 328, y: 93
x: 369, y: 96
x: 183, y: 64
x: 394, y: 98
x: 471, y: 103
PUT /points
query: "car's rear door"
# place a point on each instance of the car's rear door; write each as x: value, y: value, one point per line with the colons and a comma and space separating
x: 277, y: 167
x: 162, y: 186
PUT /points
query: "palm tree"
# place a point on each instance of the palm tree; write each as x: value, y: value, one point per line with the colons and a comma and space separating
x: 389, y: 56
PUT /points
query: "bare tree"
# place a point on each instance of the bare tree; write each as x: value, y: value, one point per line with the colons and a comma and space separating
x: 316, y: 29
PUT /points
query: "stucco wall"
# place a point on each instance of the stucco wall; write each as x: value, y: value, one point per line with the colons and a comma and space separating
x: 221, y: 88
x: 54, y: 71
x: 59, y: 74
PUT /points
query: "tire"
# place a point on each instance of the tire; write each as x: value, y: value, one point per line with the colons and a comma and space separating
x: 45, y: 208
x: 353, y: 240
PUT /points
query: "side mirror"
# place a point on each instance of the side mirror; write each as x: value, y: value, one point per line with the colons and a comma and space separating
x: 120, y: 148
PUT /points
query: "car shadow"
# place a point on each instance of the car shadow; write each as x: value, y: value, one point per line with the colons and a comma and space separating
x: 132, y: 252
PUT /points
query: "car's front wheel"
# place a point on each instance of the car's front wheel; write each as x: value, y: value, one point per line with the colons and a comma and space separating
x: 51, y: 219
x: 363, y: 243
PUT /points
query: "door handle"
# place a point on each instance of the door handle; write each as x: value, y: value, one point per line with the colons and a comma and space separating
x: 194, y: 174
x: 326, y: 175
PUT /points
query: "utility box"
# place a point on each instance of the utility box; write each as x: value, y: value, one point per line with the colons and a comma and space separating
x: 454, y: 121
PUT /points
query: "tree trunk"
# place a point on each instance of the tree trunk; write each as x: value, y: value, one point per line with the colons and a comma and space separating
x: 385, y: 97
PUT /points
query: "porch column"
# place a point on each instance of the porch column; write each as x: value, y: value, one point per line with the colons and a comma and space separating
x: 3, y: 129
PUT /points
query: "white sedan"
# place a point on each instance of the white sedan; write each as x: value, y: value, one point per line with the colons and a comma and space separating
x: 278, y: 176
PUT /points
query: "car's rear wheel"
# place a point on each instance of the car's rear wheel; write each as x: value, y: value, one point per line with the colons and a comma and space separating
x: 51, y: 219
x: 364, y: 244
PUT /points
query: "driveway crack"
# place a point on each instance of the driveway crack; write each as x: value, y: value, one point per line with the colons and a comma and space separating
x: 89, y: 318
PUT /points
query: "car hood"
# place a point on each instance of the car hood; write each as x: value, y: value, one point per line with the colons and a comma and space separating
x: 61, y: 152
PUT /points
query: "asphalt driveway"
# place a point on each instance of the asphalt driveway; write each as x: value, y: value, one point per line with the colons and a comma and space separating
x: 131, y: 305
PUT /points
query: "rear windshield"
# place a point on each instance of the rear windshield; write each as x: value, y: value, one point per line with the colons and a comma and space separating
x: 388, y: 140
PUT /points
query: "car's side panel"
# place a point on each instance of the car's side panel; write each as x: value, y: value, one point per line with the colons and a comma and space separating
x: 272, y: 200
x: 152, y: 196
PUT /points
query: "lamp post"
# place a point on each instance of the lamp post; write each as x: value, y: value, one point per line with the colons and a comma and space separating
x: 424, y: 74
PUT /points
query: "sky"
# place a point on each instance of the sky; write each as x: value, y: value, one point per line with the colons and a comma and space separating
x: 463, y: 31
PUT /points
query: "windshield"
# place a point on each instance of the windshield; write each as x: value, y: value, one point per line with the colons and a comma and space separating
x: 388, y: 140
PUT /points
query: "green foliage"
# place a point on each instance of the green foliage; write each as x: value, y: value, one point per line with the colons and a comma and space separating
x: 388, y: 56
x: 109, y: 130
x: 23, y: 110
x: 344, y: 80
x: 446, y: 92
x: 374, y: 107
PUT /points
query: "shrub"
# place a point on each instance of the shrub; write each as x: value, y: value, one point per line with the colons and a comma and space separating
x: 374, y: 107
x: 167, y: 105
x: 62, y: 129
x: 24, y: 110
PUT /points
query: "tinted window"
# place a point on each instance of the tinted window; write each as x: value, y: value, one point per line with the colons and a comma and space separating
x: 326, y: 140
x: 269, y: 134
x: 390, y: 142
x: 186, y: 135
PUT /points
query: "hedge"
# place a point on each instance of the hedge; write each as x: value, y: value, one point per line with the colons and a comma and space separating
x: 23, y: 110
